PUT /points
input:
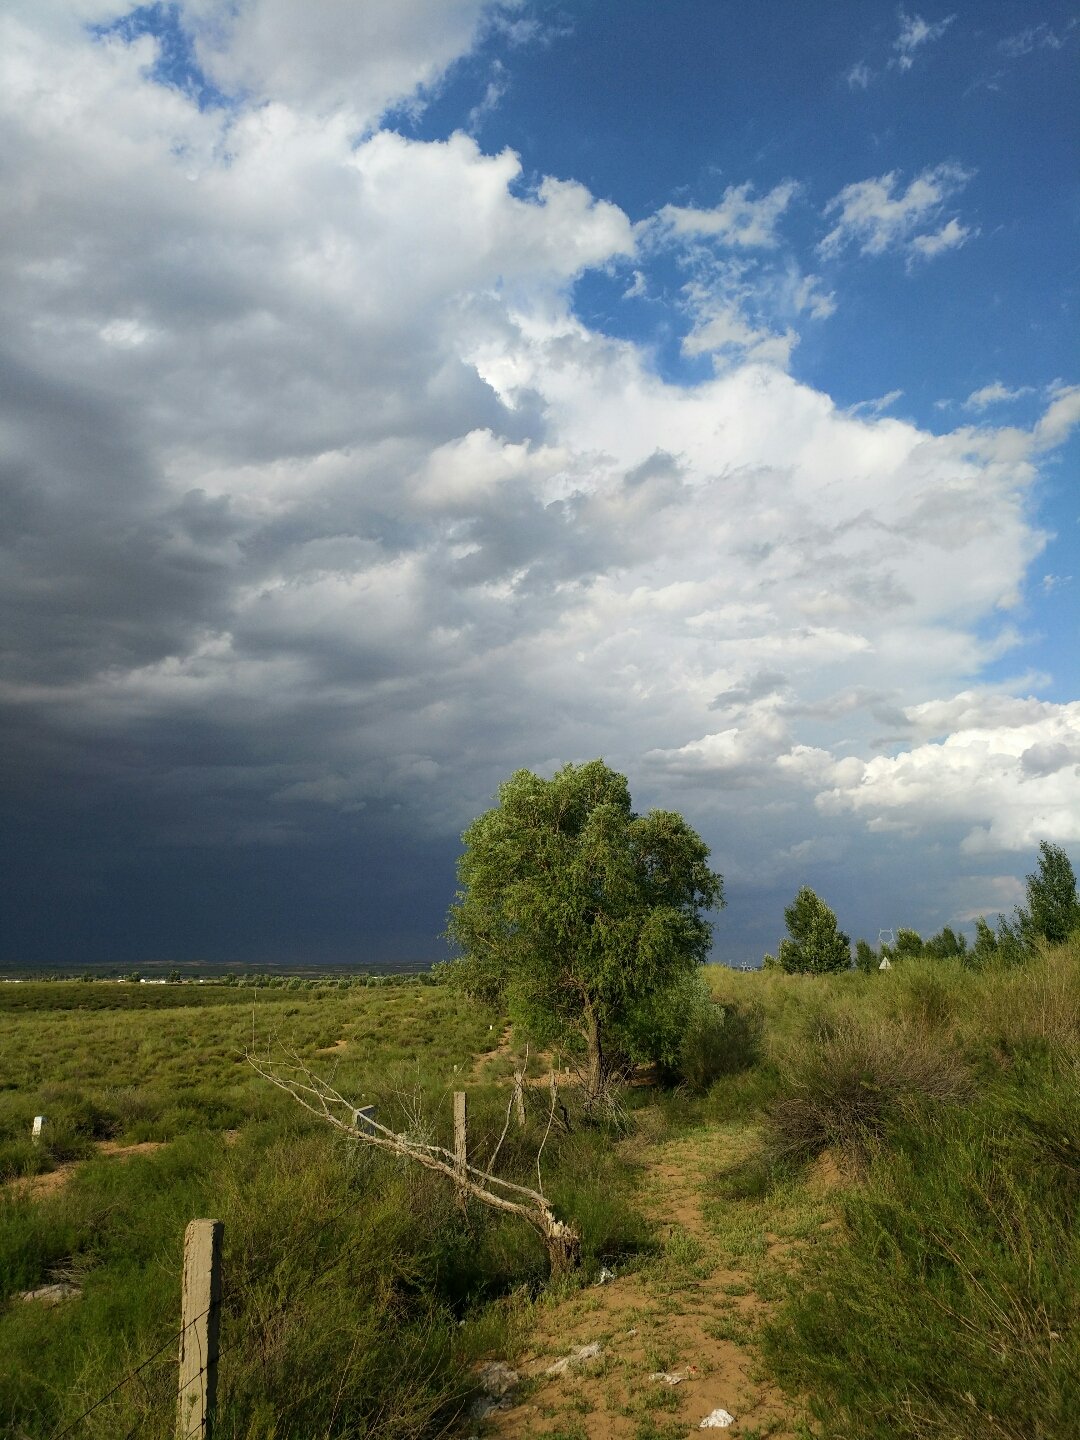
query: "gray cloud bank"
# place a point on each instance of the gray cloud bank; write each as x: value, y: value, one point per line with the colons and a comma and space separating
x: 320, y: 512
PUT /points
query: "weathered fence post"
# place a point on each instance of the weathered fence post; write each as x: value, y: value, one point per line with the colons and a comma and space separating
x: 37, y: 1128
x: 200, y: 1317
x: 519, y: 1097
x: 461, y: 1147
x: 362, y: 1118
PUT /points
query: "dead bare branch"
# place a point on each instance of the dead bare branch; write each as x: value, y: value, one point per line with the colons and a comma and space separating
x: 293, y: 1075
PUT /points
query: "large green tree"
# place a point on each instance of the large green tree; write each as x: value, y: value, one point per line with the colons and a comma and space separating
x: 1053, y: 909
x: 573, y: 910
x: 813, y: 945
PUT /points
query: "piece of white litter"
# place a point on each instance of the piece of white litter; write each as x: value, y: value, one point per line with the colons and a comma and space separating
x: 670, y: 1377
x: 496, y: 1378
x: 717, y: 1420
x: 605, y: 1275
x: 580, y: 1356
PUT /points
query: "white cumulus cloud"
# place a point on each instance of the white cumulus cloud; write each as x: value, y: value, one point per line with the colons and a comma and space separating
x: 335, y: 55
x: 1007, y: 774
x: 915, y: 32
x: 995, y: 393
x: 879, y: 216
x: 738, y: 220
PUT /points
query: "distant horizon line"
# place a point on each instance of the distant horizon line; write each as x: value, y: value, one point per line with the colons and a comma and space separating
x: 214, y: 969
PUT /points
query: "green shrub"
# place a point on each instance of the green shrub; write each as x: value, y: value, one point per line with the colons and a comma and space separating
x: 720, y: 1040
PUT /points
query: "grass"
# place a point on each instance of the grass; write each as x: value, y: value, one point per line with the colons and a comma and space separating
x: 947, y: 1305
x: 902, y: 1192
x: 159, y: 1068
x: 358, y: 1296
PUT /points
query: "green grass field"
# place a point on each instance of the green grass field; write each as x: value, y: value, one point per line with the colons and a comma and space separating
x: 938, y: 1302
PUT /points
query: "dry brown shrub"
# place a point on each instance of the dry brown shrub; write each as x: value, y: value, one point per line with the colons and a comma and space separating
x: 844, y: 1089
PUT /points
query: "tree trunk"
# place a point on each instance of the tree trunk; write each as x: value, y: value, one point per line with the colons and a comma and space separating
x: 563, y: 1247
x: 594, y: 1078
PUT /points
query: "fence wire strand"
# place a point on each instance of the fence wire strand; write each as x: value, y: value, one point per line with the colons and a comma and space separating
x: 173, y: 1340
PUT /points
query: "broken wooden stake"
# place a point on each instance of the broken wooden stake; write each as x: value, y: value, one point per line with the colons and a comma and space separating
x: 461, y: 1147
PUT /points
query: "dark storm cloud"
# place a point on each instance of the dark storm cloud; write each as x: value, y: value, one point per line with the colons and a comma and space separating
x: 101, y: 567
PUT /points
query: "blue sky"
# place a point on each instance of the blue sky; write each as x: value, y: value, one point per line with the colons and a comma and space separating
x: 398, y: 396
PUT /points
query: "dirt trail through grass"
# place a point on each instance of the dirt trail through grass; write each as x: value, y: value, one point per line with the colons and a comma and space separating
x: 49, y: 1181
x: 690, y: 1313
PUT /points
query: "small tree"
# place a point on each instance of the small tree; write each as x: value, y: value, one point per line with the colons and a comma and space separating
x: 945, y: 946
x: 572, y: 909
x: 816, y: 946
x: 1053, y: 909
x: 865, y: 958
x: 1001, y: 947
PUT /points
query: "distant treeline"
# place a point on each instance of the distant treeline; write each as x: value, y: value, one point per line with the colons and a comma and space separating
x: 271, y: 980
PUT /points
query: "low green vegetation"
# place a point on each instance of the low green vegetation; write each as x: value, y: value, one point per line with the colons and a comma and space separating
x: 946, y: 1301
x: 357, y: 1293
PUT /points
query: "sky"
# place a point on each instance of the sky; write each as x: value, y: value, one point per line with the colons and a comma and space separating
x: 396, y: 395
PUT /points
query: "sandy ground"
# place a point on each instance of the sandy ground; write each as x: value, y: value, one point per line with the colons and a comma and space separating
x: 692, y: 1317
x: 39, y: 1186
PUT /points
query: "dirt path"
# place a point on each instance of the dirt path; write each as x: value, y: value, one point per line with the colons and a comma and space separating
x: 483, y: 1061
x: 48, y: 1183
x: 690, y: 1314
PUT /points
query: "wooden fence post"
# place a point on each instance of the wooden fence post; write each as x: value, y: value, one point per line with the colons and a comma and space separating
x: 460, y: 1136
x: 200, y: 1317
x: 519, y: 1097
x: 362, y: 1118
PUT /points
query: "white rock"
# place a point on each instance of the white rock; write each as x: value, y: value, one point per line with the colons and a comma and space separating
x: 717, y: 1420
x: 52, y: 1294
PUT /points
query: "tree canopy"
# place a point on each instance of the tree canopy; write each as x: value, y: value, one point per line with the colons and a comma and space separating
x: 572, y: 909
x: 813, y: 945
x: 1053, y: 909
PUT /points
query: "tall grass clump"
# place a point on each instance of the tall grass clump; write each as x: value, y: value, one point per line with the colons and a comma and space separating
x: 336, y: 1317
x: 845, y: 1088
x: 947, y: 1304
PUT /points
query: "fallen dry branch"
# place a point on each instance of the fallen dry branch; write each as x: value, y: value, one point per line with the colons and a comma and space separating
x: 292, y: 1074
